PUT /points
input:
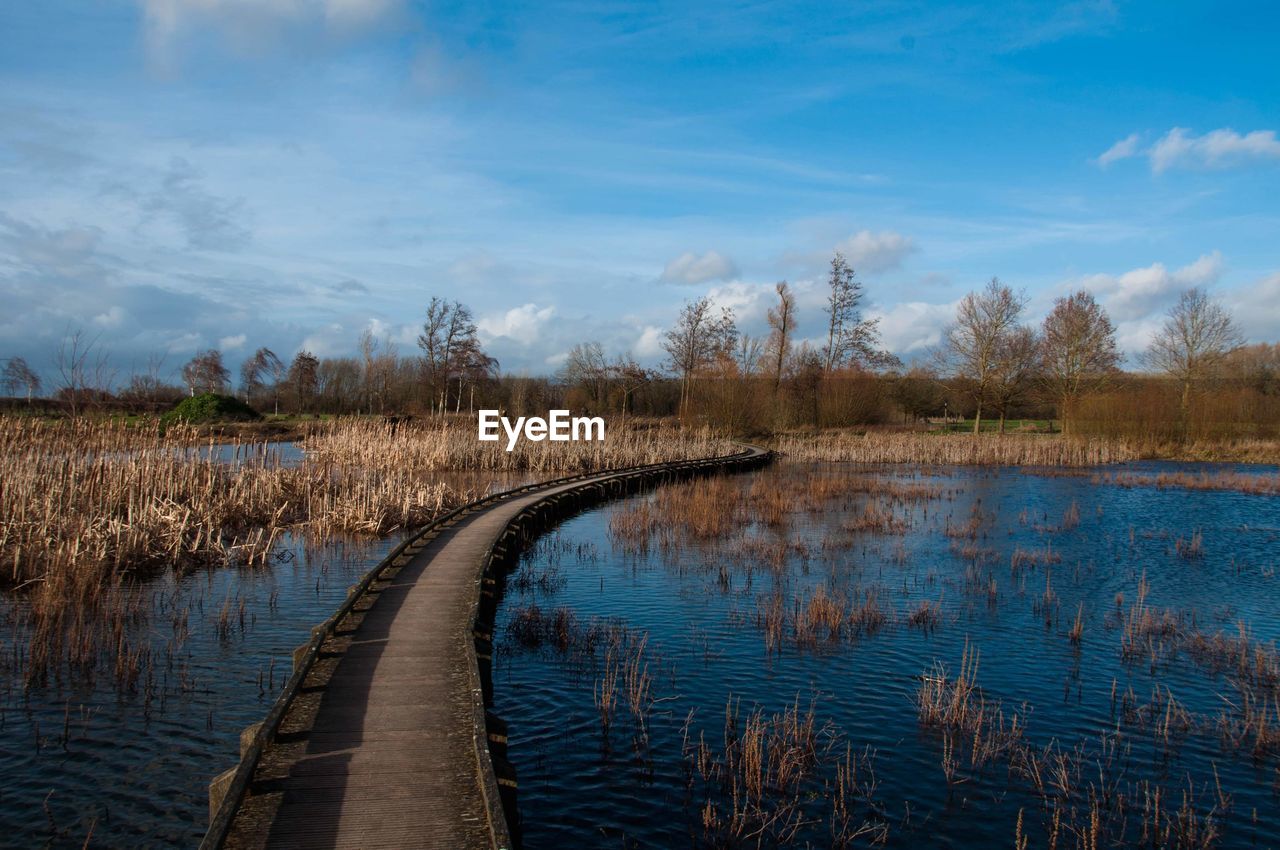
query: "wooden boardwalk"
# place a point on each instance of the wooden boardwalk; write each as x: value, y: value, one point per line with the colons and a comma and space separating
x: 380, y: 745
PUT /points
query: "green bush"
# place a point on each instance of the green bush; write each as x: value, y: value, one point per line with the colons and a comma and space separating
x: 210, y: 407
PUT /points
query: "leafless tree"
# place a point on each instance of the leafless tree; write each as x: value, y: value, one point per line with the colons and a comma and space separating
x: 782, y: 328
x: 19, y: 377
x: 1078, y: 351
x: 630, y: 377
x: 1255, y: 366
x: 807, y: 378
x: 205, y: 373
x: 586, y: 367
x: 304, y: 375
x: 851, y: 339
x: 448, y: 341
x: 748, y: 356
x: 368, y: 346
x: 1193, y: 343
x: 83, y: 369
x: 471, y: 365
x: 149, y: 385
x: 255, y: 371
x: 696, y: 341
x: 972, y: 345
x: 1017, y: 367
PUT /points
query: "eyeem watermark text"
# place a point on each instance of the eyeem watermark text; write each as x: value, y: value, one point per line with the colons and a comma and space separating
x: 559, y: 427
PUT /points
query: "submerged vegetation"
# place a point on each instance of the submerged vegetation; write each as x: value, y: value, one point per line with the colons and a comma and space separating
x: 872, y: 592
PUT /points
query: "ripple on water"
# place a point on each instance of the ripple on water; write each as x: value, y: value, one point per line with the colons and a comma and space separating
x: 705, y: 648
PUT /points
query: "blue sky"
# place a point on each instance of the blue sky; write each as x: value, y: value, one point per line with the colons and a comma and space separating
x: 180, y: 174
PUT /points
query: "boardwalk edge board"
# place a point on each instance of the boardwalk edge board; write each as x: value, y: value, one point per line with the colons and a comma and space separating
x: 495, y: 777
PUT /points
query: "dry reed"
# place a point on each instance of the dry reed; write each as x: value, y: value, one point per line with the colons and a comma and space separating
x: 953, y: 449
x: 88, y: 506
x: 1260, y: 484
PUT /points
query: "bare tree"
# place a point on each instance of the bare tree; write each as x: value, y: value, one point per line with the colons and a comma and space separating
x: 1017, y: 366
x: 448, y: 340
x: 19, y: 377
x: 435, y: 344
x: 782, y: 328
x: 850, y: 338
x: 149, y: 386
x: 1193, y: 343
x: 304, y: 376
x: 368, y: 346
x: 385, y: 367
x: 471, y: 365
x: 205, y: 373
x: 696, y: 341
x: 748, y: 355
x: 1078, y: 351
x: 972, y: 345
x: 83, y: 369
x: 255, y: 371
x: 630, y: 377
x: 586, y: 367
x: 1255, y: 366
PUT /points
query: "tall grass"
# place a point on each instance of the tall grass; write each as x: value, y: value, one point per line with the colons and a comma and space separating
x: 452, y: 444
x: 87, y: 507
x: 953, y: 449
x: 1263, y: 484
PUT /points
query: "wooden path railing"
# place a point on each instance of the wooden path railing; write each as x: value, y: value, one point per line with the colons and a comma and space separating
x: 381, y: 736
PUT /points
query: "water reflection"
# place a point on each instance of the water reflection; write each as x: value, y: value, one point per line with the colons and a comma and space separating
x: 1122, y: 707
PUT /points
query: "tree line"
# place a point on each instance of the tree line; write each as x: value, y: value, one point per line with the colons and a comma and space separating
x: 989, y: 365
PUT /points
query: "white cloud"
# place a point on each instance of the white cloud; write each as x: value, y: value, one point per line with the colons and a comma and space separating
x: 1139, y: 292
x: 650, y: 342
x: 331, y: 340
x: 253, y: 23
x: 1123, y: 149
x: 876, y: 252
x: 912, y: 327
x: 523, y: 324
x: 1256, y: 308
x: 231, y: 343
x: 691, y: 269
x: 1179, y: 148
x: 111, y: 318
x: 748, y: 301
x: 1216, y: 149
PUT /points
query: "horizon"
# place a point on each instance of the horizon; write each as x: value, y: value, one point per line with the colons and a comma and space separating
x: 191, y: 174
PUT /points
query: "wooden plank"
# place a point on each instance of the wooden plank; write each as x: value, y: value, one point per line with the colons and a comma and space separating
x: 387, y: 758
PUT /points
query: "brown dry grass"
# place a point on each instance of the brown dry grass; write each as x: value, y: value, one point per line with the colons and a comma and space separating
x: 88, y: 506
x: 953, y: 449
x: 452, y: 445
x: 1260, y: 484
x: 756, y: 783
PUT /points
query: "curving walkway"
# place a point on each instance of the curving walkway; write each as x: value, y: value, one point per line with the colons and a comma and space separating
x: 380, y: 745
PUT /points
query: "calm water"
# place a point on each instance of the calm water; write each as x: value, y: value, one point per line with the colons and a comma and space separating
x: 700, y: 607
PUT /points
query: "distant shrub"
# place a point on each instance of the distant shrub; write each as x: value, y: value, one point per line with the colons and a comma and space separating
x: 210, y: 407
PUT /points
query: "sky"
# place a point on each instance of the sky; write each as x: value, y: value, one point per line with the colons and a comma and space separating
x: 177, y: 175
